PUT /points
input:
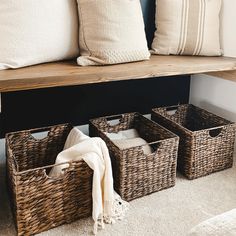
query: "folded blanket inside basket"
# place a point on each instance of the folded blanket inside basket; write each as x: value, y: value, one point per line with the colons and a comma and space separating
x: 133, y: 142
x: 129, y: 138
x: 123, y: 134
x: 107, y: 204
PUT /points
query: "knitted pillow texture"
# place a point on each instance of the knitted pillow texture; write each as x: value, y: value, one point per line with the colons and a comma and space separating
x: 111, y: 32
x: 187, y: 27
x: 37, y: 31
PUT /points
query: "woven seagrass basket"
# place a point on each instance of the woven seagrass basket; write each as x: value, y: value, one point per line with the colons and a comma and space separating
x: 39, y: 202
x: 137, y: 174
x: 206, y: 140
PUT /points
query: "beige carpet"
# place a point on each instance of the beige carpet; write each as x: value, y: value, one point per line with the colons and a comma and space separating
x: 172, y: 212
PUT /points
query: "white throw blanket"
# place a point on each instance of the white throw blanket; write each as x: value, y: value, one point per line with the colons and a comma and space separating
x: 107, y: 205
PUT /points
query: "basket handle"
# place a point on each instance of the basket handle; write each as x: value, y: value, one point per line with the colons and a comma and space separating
x: 43, y: 169
x: 216, y: 131
x: 120, y: 117
x: 121, y: 120
x: 49, y: 130
x: 156, y: 146
x: 172, y: 110
x: 29, y: 133
x: 213, y: 133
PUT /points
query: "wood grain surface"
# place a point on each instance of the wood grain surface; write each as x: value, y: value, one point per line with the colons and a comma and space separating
x: 68, y: 73
x: 227, y: 75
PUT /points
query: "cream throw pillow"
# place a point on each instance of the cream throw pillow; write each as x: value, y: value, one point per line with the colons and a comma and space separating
x: 37, y: 31
x: 111, y: 32
x: 187, y: 27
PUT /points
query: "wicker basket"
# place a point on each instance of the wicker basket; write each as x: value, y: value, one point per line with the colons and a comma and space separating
x: 39, y: 202
x: 206, y: 140
x: 137, y: 174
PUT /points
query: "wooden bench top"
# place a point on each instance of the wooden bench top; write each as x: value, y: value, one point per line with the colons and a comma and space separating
x: 227, y: 75
x: 68, y: 73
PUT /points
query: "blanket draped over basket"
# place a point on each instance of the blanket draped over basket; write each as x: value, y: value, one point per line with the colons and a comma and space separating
x: 107, y: 204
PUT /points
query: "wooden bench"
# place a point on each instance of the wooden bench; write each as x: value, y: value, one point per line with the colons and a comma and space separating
x: 227, y: 75
x: 68, y: 73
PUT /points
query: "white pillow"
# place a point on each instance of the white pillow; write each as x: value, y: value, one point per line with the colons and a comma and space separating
x: 37, y: 31
x: 111, y: 31
x: 188, y: 27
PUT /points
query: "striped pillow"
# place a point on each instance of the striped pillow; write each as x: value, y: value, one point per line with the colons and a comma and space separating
x: 187, y: 27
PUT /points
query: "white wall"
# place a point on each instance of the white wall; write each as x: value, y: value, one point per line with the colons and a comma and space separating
x: 214, y: 94
x: 228, y: 27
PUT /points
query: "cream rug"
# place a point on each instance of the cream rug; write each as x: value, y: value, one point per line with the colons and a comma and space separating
x: 171, y: 212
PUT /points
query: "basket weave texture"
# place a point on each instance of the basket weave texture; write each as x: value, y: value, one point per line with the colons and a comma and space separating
x: 206, y: 140
x: 137, y: 174
x: 39, y: 202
